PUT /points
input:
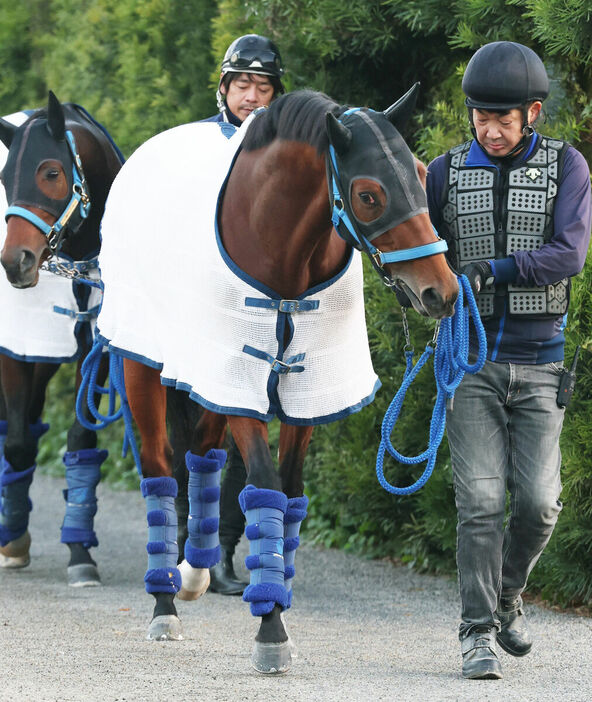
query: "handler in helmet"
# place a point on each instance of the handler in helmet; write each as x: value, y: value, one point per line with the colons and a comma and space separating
x: 514, y: 207
x: 250, y: 77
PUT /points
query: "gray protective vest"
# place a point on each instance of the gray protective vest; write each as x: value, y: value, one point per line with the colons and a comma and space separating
x: 489, y: 213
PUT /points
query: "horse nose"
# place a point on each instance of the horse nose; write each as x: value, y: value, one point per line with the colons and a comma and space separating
x: 435, y: 305
x: 19, y: 269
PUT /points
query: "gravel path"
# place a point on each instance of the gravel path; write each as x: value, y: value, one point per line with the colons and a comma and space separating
x: 365, y: 630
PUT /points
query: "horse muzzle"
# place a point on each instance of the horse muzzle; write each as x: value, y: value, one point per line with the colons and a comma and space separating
x: 22, y: 268
x: 430, y: 302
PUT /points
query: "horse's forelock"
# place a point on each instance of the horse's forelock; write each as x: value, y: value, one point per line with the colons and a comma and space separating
x: 298, y: 116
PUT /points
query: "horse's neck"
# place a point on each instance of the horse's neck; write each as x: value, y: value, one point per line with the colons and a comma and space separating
x: 100, y: 164
x: 275, y: 219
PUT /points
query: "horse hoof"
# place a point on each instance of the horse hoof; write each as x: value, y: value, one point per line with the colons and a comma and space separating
x: 165, y: 627
x: 293, y: 648
x: 194, y: 581
x: 16, y: 553
x: 271, y: 658
x: 83, y: 575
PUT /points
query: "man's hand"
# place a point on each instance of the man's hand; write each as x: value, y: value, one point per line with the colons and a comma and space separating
x: 479, y: 275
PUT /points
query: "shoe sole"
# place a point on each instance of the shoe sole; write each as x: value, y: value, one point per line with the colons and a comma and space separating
x: 511, y: 651
x: 484, y: 676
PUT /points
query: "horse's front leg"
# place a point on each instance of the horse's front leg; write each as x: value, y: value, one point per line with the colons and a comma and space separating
x: 82, y: 462
x: 147, y: 400
x: 269, y: 513
x: 20, y: 430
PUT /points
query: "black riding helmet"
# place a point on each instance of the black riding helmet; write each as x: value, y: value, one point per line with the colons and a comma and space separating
x: 503, y: 75
x: 253, y: 53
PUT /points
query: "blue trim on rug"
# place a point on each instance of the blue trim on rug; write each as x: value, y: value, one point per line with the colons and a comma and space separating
x: 39, y: 359
x: 238, y: 411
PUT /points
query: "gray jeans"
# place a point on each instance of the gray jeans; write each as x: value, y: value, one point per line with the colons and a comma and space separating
x: 503, y: 431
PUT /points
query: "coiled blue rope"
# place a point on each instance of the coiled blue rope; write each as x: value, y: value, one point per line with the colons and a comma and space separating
x: 89, y: 388
x: 450, y: 364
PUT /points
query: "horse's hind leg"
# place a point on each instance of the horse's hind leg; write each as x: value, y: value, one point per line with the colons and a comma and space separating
x: 22, y: 428
x: 82, y: 462
x: 204, y: 464
x: 147, y: 399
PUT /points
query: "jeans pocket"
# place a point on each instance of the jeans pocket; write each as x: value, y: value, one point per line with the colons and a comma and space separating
x: 556, y: 367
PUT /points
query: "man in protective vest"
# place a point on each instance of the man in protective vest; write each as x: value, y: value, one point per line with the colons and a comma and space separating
x: 514, y: 207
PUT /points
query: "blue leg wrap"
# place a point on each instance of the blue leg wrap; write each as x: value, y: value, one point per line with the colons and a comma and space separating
x: 3, y: 430
x: 295, y: 513
x: 162, y: 574
x: 83, y: 472
x: 264, y: 511
x: 202, y: 548
x: 15, y: 504
x: 38, y: 429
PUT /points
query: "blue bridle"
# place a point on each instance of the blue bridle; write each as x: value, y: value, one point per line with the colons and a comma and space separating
x: 341, y: 221
x: 80, y: 201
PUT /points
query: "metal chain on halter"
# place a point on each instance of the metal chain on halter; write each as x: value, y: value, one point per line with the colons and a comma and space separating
x: 57, y: 267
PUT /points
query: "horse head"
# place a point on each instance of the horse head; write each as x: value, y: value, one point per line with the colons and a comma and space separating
x: 45, y: 189
x: 380, y: 204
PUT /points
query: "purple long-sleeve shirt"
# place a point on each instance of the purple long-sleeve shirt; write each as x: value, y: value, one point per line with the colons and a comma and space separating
x: 532, y: 341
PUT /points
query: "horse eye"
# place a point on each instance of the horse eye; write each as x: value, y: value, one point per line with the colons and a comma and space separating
x: 52, y: 174
x: 367, y: 198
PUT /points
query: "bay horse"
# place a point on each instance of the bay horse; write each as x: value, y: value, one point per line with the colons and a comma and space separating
x: 59, y: 168
x: 310, y: 182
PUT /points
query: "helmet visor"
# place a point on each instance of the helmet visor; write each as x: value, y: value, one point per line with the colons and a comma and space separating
x: 256, y: 59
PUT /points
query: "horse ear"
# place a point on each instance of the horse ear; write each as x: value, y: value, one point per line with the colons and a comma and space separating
x: 339, y: 135
x: 398, y: 114
x: 56, y: 122
x: 7, y: 131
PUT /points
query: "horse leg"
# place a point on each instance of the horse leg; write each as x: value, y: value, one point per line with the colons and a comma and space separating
x: 182, y: 417
x: 264, y: 506
x: 147, y: 399
x: 82, y: 461
x: 22, y: 429
x: 204, y: 463
x: 294, y: 443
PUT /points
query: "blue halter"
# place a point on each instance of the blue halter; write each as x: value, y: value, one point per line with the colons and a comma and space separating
x: 80, y: 201
x: 347, y: 231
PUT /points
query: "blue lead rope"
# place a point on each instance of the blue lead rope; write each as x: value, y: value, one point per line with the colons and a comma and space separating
x: 89, y: 388
x: 450, y: 364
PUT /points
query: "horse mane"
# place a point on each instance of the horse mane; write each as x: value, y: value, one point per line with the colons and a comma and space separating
x: 297, y: 116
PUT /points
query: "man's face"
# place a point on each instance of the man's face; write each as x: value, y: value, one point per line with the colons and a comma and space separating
x: 497, y: 132
x: 247, y: 92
